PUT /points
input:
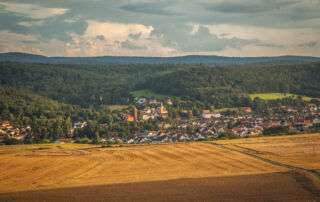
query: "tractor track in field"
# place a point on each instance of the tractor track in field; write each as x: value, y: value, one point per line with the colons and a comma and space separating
x: 298, y: 173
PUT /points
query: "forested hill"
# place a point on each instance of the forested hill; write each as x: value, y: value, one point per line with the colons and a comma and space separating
x: 229, y: 86
x: 95, y: 85
x: 191, y: 59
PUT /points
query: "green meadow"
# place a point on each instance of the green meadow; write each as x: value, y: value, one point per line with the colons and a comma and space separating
x: 275, y: 96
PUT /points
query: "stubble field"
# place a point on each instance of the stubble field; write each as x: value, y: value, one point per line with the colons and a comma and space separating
x: 302, y: 151
x: 236, y: 170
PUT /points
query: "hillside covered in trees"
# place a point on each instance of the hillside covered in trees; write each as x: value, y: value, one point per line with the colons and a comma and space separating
x: 96, y: 85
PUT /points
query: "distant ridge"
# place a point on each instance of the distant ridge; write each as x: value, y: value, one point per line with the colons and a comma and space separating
x: 189, y: 59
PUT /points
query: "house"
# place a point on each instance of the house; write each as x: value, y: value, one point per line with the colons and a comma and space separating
x: 142, y: 101
x: 169, y: 101
x: 207, y: 114
x: 307, y: 123
x: 237, y: 131
x: 312, y: 107
x: 154, y: 102
x: 164, y: 125
x: 186, y: 113
x: 316, y: 121
x: 80, y: 124
x: 6, y: 125
x: 299, y: 124
x: 146, y: 111
x: 257, y: 130
x: 152, y: 133
x: 6, y: 129
x: 146, y: 114
x: 247, y: 109
x: 130, y: 141
x: 183, y: 138
x: 241, y: 131
x: 163, y: 111
x: 292, y: 110
x: 104, y: 125
x: 130, y: 118
x: 146, y: 117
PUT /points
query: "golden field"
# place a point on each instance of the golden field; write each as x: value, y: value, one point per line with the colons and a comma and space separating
x: 302, y: 151
x: 222, y: 170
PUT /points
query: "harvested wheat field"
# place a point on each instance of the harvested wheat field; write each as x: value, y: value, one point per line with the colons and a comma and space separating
x: 302, y: 151
x: 211, y: 171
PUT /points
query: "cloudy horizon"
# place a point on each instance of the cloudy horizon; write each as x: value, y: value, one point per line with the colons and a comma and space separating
x: 161, y: 28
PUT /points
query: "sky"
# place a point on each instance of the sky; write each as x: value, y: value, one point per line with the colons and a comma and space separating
x: 160, y: 27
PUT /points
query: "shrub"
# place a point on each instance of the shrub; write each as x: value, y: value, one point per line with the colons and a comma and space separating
x: 83, y: 140
x: 45, y: 141
x: 11, y: 141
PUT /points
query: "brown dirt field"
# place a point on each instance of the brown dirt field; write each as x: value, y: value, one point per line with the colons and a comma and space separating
x: 296, y: 150
x: 193, y: 171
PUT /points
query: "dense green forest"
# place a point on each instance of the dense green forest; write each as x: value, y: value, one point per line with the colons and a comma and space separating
x: 96, y: 85
x: 78, y: 84
x: 229, y: 86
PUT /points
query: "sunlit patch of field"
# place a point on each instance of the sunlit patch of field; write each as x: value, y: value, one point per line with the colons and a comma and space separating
x: 296, y: 150
x: 34, y: 167
x: 275, y: 96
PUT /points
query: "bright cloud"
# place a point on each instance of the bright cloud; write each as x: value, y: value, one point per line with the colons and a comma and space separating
x: 107, y: 38
x: 33, y: 11
x: 117, y: 31
x: 17, y: 42
x: 12, y: 42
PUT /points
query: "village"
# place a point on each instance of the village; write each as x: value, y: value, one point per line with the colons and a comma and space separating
x: 185, y: 125
x: 228, y: 123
